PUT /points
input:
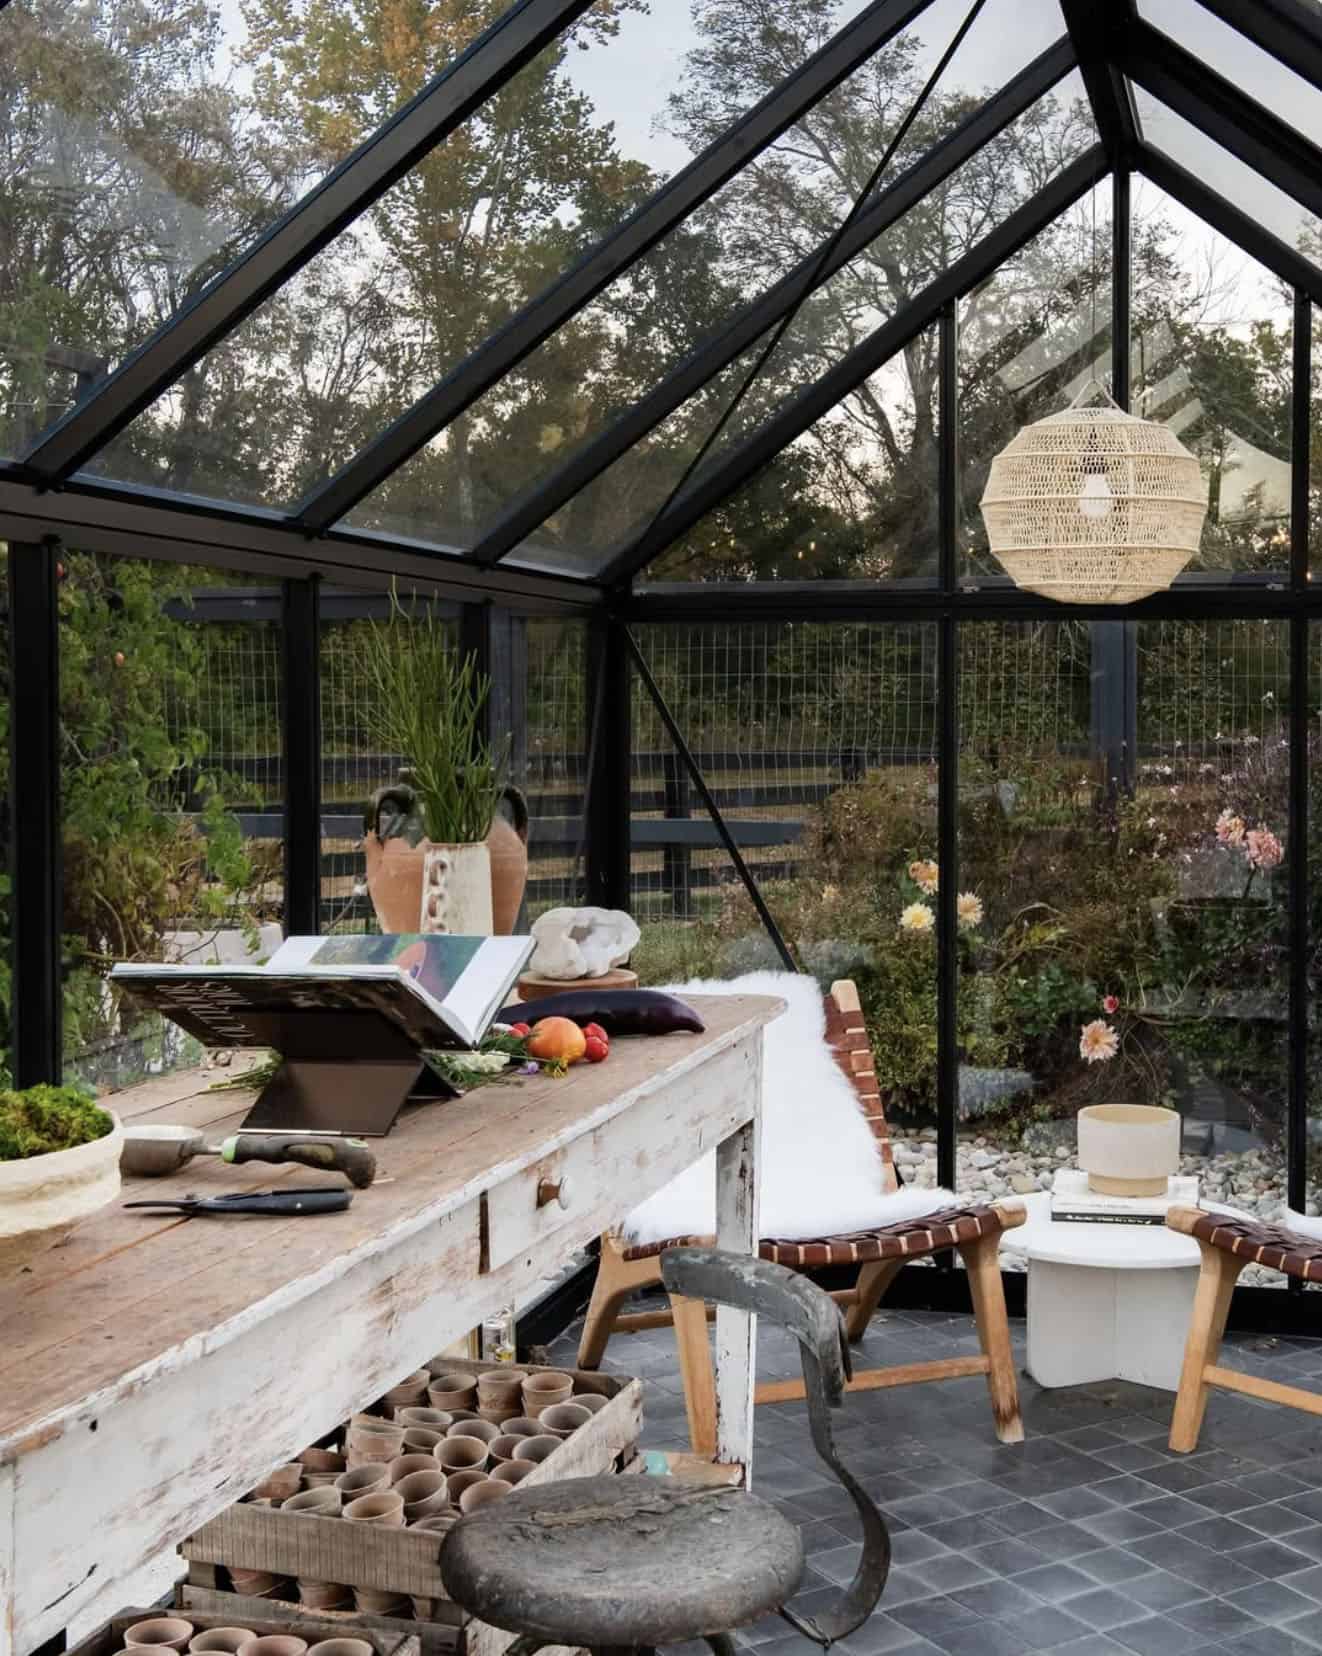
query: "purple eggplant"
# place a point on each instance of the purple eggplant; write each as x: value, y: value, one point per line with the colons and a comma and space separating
x: 618, y: 1011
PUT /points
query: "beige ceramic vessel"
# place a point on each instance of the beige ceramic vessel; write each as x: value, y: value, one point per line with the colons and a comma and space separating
x: 1128, y: 1149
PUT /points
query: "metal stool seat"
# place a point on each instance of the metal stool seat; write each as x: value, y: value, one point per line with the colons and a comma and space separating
x: 625, y: 1564
x: 632, y: 1561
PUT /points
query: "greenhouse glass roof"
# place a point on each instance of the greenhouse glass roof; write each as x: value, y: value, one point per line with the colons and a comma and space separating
x: 544, y: 300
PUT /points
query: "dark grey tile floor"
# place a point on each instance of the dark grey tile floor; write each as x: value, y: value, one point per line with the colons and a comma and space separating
x: 1089, y: 1539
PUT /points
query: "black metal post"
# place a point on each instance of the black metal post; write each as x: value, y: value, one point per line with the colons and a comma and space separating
x: 1121, y: 267
x: 497, y: 640
x: 35, y: 845
x: 301, y: 631
x: 607, y: 827
x: 677, y: 870
x: 1114, y: 677
x: 947, y: 830
x: 1296, y: 1166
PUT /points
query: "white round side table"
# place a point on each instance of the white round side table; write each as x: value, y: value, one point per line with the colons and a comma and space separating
x: 1105, y: 1301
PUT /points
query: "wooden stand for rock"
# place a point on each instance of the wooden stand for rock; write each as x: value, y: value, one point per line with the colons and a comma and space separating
x: 533, y: 986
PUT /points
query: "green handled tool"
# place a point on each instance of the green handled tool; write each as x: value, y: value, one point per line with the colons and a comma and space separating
x: 152, y: 1151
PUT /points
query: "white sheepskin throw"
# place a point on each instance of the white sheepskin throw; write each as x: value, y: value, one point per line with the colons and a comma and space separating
x: 820, y: 1166
x: 1301, y: 1222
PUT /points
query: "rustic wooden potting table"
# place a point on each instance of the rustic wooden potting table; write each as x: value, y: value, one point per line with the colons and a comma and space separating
x: 153, y: 1368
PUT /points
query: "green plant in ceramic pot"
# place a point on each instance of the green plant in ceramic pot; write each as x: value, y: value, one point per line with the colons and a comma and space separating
x: 429, y: 866
x: 59, y: 1162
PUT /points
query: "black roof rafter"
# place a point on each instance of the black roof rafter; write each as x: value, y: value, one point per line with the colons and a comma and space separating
x: 532, y: 509
x: 859, y: 40
x: 1289, y: 29
x: 516, y: 37
x: 1097, y: 32
x: 1239, y: 124
x: 708, y: 489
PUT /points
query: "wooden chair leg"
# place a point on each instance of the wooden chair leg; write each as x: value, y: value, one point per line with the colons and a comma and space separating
x: 1211, y: 1306
x: 874, y: 1279
x: 617, y: 1278
x: 982, y: 1262
x: 697, y: 1372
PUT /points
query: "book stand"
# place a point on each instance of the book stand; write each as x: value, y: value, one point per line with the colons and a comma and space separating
x: 343, y: 1071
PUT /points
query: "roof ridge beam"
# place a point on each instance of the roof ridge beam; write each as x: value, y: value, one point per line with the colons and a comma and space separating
x: 861, y: 38
x: 1225, y: 114
x: 1098, y: 33
x: 516, y: 37
x: 707, y: 490
x: 531, y: 509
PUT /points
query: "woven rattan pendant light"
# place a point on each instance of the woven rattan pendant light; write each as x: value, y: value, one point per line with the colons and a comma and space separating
x: 1093, y: 505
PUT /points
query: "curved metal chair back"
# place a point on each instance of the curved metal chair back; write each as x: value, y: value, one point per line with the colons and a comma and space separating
x: 791, y: 1301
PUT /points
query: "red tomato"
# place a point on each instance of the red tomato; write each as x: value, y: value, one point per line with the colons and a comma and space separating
x: 596, y: 1049
x: 598, y: 1031
x: 520, y: 1029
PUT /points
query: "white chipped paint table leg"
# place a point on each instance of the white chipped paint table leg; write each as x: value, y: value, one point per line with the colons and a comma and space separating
x: 736, y: 1331
x: 1089, y: 1322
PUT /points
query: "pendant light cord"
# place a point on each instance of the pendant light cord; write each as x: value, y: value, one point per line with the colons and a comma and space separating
x: 823, y: 261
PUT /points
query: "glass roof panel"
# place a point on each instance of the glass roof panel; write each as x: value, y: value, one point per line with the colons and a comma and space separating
x: 142, y: 147
x: 856, y: 300
x: 482, y: 222
x: 759, y: 226
x: 1254, y: 71
x: 1239, y: 184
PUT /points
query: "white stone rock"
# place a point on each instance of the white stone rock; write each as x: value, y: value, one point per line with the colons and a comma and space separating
x: 581, y: 942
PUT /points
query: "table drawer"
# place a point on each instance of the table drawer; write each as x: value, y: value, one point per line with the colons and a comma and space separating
x: 606, y: 1171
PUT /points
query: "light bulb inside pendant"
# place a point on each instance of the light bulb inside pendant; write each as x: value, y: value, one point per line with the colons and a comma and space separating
x: 1095, y: 497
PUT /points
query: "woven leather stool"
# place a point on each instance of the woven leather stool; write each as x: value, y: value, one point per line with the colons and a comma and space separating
x: 628, y: 1563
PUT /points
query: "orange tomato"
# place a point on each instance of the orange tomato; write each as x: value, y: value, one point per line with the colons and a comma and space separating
x: 557, y: 1038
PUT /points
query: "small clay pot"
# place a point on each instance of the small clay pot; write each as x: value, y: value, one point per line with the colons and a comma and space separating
x: 373, y: 1602
x: 504, y: 1449
x: 343, y: 1647
x: 479, y: 1494
x: 462, y: 1454
x: 281, y: 1484
x: 325, y: 1595
x: 500, y: 1385
x: 537, y: 1448
x: 425, y: 1494
x: 421, y: 1440
x: 274, y: 1644
x: 461, y: 1414
x: 562, y: 1419
x: 543, y: 1389
x: 423, y: 1608
x: 322, y: 1503
x: 381, y: 1444
x: 458, y: 1482
x: 254, y: 1583
x: 321, y: 1460
x: 521, y: 1426
x: 483, y: 1429
x: 452, y: 1391
x: 593, y: 1402
x: 368, y: 1479
x: 160, y: 1633
x: 320, y: 1480
x: 385, y: 1508
x: 402, y: 1465
x: 512, y: 1472
x: 433, y: 1420
x: 226, y: 1639
x: 496, y: 1414
x: 409, y: 1393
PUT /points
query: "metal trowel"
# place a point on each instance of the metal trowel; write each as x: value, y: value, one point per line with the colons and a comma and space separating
x: 152, y: 1151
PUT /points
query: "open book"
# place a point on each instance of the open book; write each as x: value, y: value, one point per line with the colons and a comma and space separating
x: 439, y: 990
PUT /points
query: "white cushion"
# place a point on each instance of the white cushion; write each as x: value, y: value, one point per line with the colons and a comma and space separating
x: 820, y: 1165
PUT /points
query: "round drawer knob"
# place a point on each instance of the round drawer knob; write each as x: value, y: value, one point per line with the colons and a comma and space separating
x: 553, y: 1190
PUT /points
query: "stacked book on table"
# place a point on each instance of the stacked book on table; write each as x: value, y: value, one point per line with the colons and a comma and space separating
x: 1073, y: 1201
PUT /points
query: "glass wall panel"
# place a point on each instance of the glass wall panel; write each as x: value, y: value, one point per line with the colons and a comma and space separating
x: 1211, y: 358
x: 550, y: 763
x: 1126, y: 942
x: 143, y: 147
x: 819, y: 743
x: 855, y: 495
x: 171, y: 727
x: 737, y: 246
x: 1030, y: 338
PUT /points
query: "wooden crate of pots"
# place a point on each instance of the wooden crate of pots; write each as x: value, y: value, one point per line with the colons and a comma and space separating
x: 154, y: 1633
x: 446, y: 1440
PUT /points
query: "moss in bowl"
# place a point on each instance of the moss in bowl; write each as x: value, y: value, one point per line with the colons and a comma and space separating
x: 41, y: 1119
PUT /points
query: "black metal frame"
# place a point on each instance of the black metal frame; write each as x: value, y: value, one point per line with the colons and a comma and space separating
x: 45, y: 496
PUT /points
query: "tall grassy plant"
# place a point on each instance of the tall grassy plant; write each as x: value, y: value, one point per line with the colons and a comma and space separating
x: 426, y: 703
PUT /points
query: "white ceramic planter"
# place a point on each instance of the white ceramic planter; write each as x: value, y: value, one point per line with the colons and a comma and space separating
x: 1128, y: 1149
x: 43, y: 1197
x: 456, y: 890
